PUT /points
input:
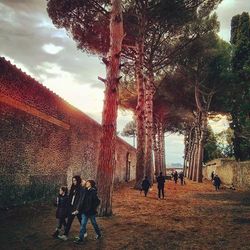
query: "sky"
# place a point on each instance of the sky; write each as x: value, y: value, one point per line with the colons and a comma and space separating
x: 30, y: 40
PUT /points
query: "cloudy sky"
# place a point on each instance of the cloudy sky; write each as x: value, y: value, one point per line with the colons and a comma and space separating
x: 29, y: 40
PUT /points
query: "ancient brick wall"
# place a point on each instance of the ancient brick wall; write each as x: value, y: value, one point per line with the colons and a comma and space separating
x: 229, y: 171
x: 44, y: 141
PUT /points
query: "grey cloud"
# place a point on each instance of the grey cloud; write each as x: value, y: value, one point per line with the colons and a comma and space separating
x: 26, y: 27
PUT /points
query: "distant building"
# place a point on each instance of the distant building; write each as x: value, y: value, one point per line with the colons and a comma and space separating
x: 44, y: 141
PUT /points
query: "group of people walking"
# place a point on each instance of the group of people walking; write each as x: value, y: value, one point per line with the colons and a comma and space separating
x: 161, y: 183
x: 82, y: 203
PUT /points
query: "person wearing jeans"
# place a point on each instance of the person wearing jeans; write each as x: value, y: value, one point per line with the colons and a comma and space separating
x: 84, y: 222
x: 87, y: 207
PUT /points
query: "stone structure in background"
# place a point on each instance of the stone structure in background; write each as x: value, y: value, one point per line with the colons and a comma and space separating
x: 230, y: 172
x: 44, y: 141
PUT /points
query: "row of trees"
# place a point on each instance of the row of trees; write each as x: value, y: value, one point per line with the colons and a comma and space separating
x: 155, y: 44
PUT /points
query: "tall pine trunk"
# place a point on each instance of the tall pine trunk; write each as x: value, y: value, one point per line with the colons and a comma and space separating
x: 149, y: 93
x: 162, y: 148
x: 106, y: 164
x: 201, y: 145
x: 189, y: 149
x: 195, y: 160
x: 140, y: 151
x: 156, y: 148
x: 185, y: 152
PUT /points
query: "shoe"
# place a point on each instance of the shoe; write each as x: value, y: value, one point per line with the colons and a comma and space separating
x: 55, y: 234
x: 62, y: 237
x: 78, y: 241
x: 98, y: 237
x: 85, y: 235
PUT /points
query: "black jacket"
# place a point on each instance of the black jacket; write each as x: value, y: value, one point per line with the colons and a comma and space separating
x: 80, y: 202
x: 145, y: 184
x: 74, y: 197
x: 217, y: 181
x: 161, y: 181
x: 62, y: 203
x: 89, y: 202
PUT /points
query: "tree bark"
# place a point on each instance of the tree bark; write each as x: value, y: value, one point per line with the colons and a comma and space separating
x: 201, y: 145
x: 185, y: 152
x: 156, y: 148
x: 106, y: 164
x: 149, y: 93
x: 197, y: 140
x: 162, y: 148
x: 189, y: 151
x: 140, y: 151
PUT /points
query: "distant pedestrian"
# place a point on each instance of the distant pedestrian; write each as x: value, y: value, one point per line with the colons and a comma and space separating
x: 175, y: 177
x: 145, y: 185
x: 89, y: 210
x: 217, y: 182
x: 161, y: 182
x: 62, y: 209
x: 181, y: 176
x: 212, y: 175
x: 74, y: 196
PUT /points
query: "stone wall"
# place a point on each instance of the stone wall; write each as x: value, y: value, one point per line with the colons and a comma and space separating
x: 229, y: 171
x: 44, y: 141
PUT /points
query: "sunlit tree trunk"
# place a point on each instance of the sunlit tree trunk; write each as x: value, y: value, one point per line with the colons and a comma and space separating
x: 185, y: 152
x: 201, y: 145
x: 190, y: 161
x: 163, y: 155
x: 140, y: 151
x: 149, y: 93
x: 162, y: 147
x: 156, y: 148
x: 203, y: 108
x: 189, y: 152
x: 193, y: 154
x: 197, y: 137
x: 106, y: 164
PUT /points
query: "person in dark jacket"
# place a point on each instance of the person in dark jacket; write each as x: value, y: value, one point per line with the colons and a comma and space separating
x: 212, y: 175
x: 181, y: 176
x: 62, y: 209
x: 217, y: 182
x: 88, y: 209
x: 175, y: 177
x: 145, y: 185
x: 74, y: 196
x: 161, y: 182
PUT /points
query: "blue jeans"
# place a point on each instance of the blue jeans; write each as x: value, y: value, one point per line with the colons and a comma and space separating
x: 84, y: 222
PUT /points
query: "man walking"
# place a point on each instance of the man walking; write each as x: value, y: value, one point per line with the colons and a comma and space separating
x: 217, y: 182
x: 145, y: 185
x: 161, y: 181
x: 88, y: 208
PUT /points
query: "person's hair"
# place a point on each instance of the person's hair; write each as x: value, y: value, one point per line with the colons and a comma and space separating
x: 78, y: 180
x: 78, y: 183
x: 160, y: 173
x: 64, y: 189
x: 146, y: 177
x: 92, y: 183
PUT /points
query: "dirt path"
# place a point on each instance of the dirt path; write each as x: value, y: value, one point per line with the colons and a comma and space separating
x: 193, y: 216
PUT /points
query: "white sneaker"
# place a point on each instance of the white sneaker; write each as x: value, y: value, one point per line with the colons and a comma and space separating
x: 62, y: 237
x: 98, y: 237
x: 84, y: 236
